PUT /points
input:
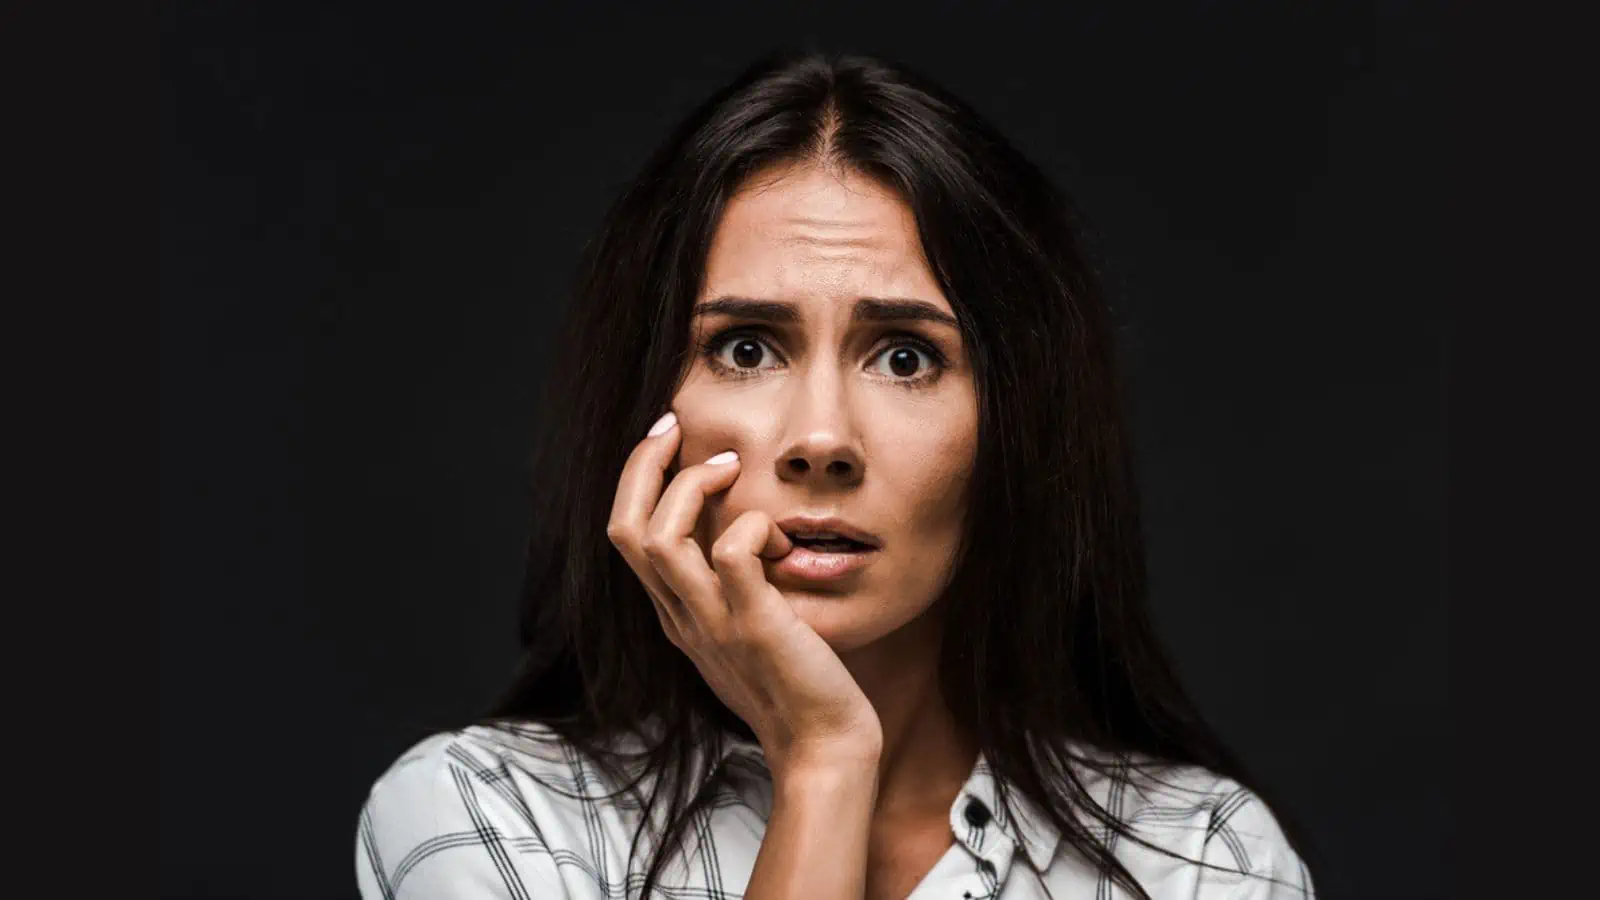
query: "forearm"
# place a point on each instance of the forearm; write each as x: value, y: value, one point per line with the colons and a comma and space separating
x: 816, y: 839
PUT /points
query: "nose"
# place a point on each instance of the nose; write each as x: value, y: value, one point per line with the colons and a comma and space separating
x: 822, y: 448
x: 821, y: 459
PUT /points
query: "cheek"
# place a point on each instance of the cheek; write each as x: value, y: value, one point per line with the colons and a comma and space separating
x: 936, y: 466
x: 938, y: 482
x: 941, y: 504
x: 709, y: 425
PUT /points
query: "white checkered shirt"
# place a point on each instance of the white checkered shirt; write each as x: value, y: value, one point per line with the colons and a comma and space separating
x: 458, y: 815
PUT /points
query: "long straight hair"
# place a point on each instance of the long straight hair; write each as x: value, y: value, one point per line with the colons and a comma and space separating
x: 1047, y: 589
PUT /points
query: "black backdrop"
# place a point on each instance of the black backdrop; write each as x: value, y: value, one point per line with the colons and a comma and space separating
x: 370, y: 216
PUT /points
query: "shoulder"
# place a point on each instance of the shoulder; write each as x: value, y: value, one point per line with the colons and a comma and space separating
x: 1199, y: 814
x: 462, y: 805
x: 441, y: 769
x: 513, y: 764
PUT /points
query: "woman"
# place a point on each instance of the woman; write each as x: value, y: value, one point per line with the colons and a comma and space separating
x: 868, y: 619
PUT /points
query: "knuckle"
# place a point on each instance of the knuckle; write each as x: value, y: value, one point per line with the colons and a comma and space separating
x: 725, y: 552
x: 653, y: 546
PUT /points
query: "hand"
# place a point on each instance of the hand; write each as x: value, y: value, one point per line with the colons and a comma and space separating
x: 767, y: 665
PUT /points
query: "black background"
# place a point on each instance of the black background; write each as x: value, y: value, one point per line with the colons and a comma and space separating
x: 370, y: 217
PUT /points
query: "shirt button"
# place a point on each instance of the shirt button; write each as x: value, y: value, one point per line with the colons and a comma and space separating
x: 977, y: 815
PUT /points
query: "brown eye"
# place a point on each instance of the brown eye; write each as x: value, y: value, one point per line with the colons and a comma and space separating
x: 747, y: 353
x: 904, y: 367
x: 904, y: 362
x: 735, y: 353
x: 912, y: 362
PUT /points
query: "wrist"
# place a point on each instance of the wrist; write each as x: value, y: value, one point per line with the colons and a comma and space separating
x: 826, y: 770
x: 825, y: 783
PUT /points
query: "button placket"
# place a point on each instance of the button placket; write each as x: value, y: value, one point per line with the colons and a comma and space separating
x: 978, y: 829
x: 976, y: 814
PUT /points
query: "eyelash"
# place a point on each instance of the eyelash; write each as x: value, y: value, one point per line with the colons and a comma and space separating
x: 712, y: 347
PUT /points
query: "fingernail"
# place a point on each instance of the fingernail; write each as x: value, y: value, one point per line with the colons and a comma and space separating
x: 726, y: 456
x: 662, y: 424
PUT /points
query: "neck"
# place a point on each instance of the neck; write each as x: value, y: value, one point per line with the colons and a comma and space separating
x: 926, y: 755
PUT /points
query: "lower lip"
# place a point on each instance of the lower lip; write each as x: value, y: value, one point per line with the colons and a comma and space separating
x: 810, y: 565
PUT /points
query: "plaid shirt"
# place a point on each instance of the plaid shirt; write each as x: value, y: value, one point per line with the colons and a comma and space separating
x: 458, y: 815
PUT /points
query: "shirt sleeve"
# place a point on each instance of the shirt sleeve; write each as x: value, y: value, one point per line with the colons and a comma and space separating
x: 432, y: 828
x: 1257, y: 861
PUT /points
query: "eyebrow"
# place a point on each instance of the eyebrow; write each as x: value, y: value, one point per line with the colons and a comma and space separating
x: 867, y: 309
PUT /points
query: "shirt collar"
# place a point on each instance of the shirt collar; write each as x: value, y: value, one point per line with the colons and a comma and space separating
x: 1028, y: 829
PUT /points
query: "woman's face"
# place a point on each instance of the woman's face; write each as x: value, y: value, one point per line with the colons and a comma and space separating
x: 832, y: 414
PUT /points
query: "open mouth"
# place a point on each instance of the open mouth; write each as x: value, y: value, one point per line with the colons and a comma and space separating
x: 830, y: 545
x: 824, y: 558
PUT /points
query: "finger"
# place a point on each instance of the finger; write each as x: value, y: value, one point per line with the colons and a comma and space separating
x: 669, y: 626
x: 638, y: 490
x: 737, y: 555
x: 670, y: 541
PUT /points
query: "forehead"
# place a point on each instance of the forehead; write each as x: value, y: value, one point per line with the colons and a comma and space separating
x: 806, y: 234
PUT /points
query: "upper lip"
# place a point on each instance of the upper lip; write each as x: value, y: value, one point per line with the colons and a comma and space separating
x: 811, y: 524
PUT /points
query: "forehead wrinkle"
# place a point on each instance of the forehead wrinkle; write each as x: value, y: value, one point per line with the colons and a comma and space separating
x: 867, y: 309
x: 831, y: 242
x: 861, y: 235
